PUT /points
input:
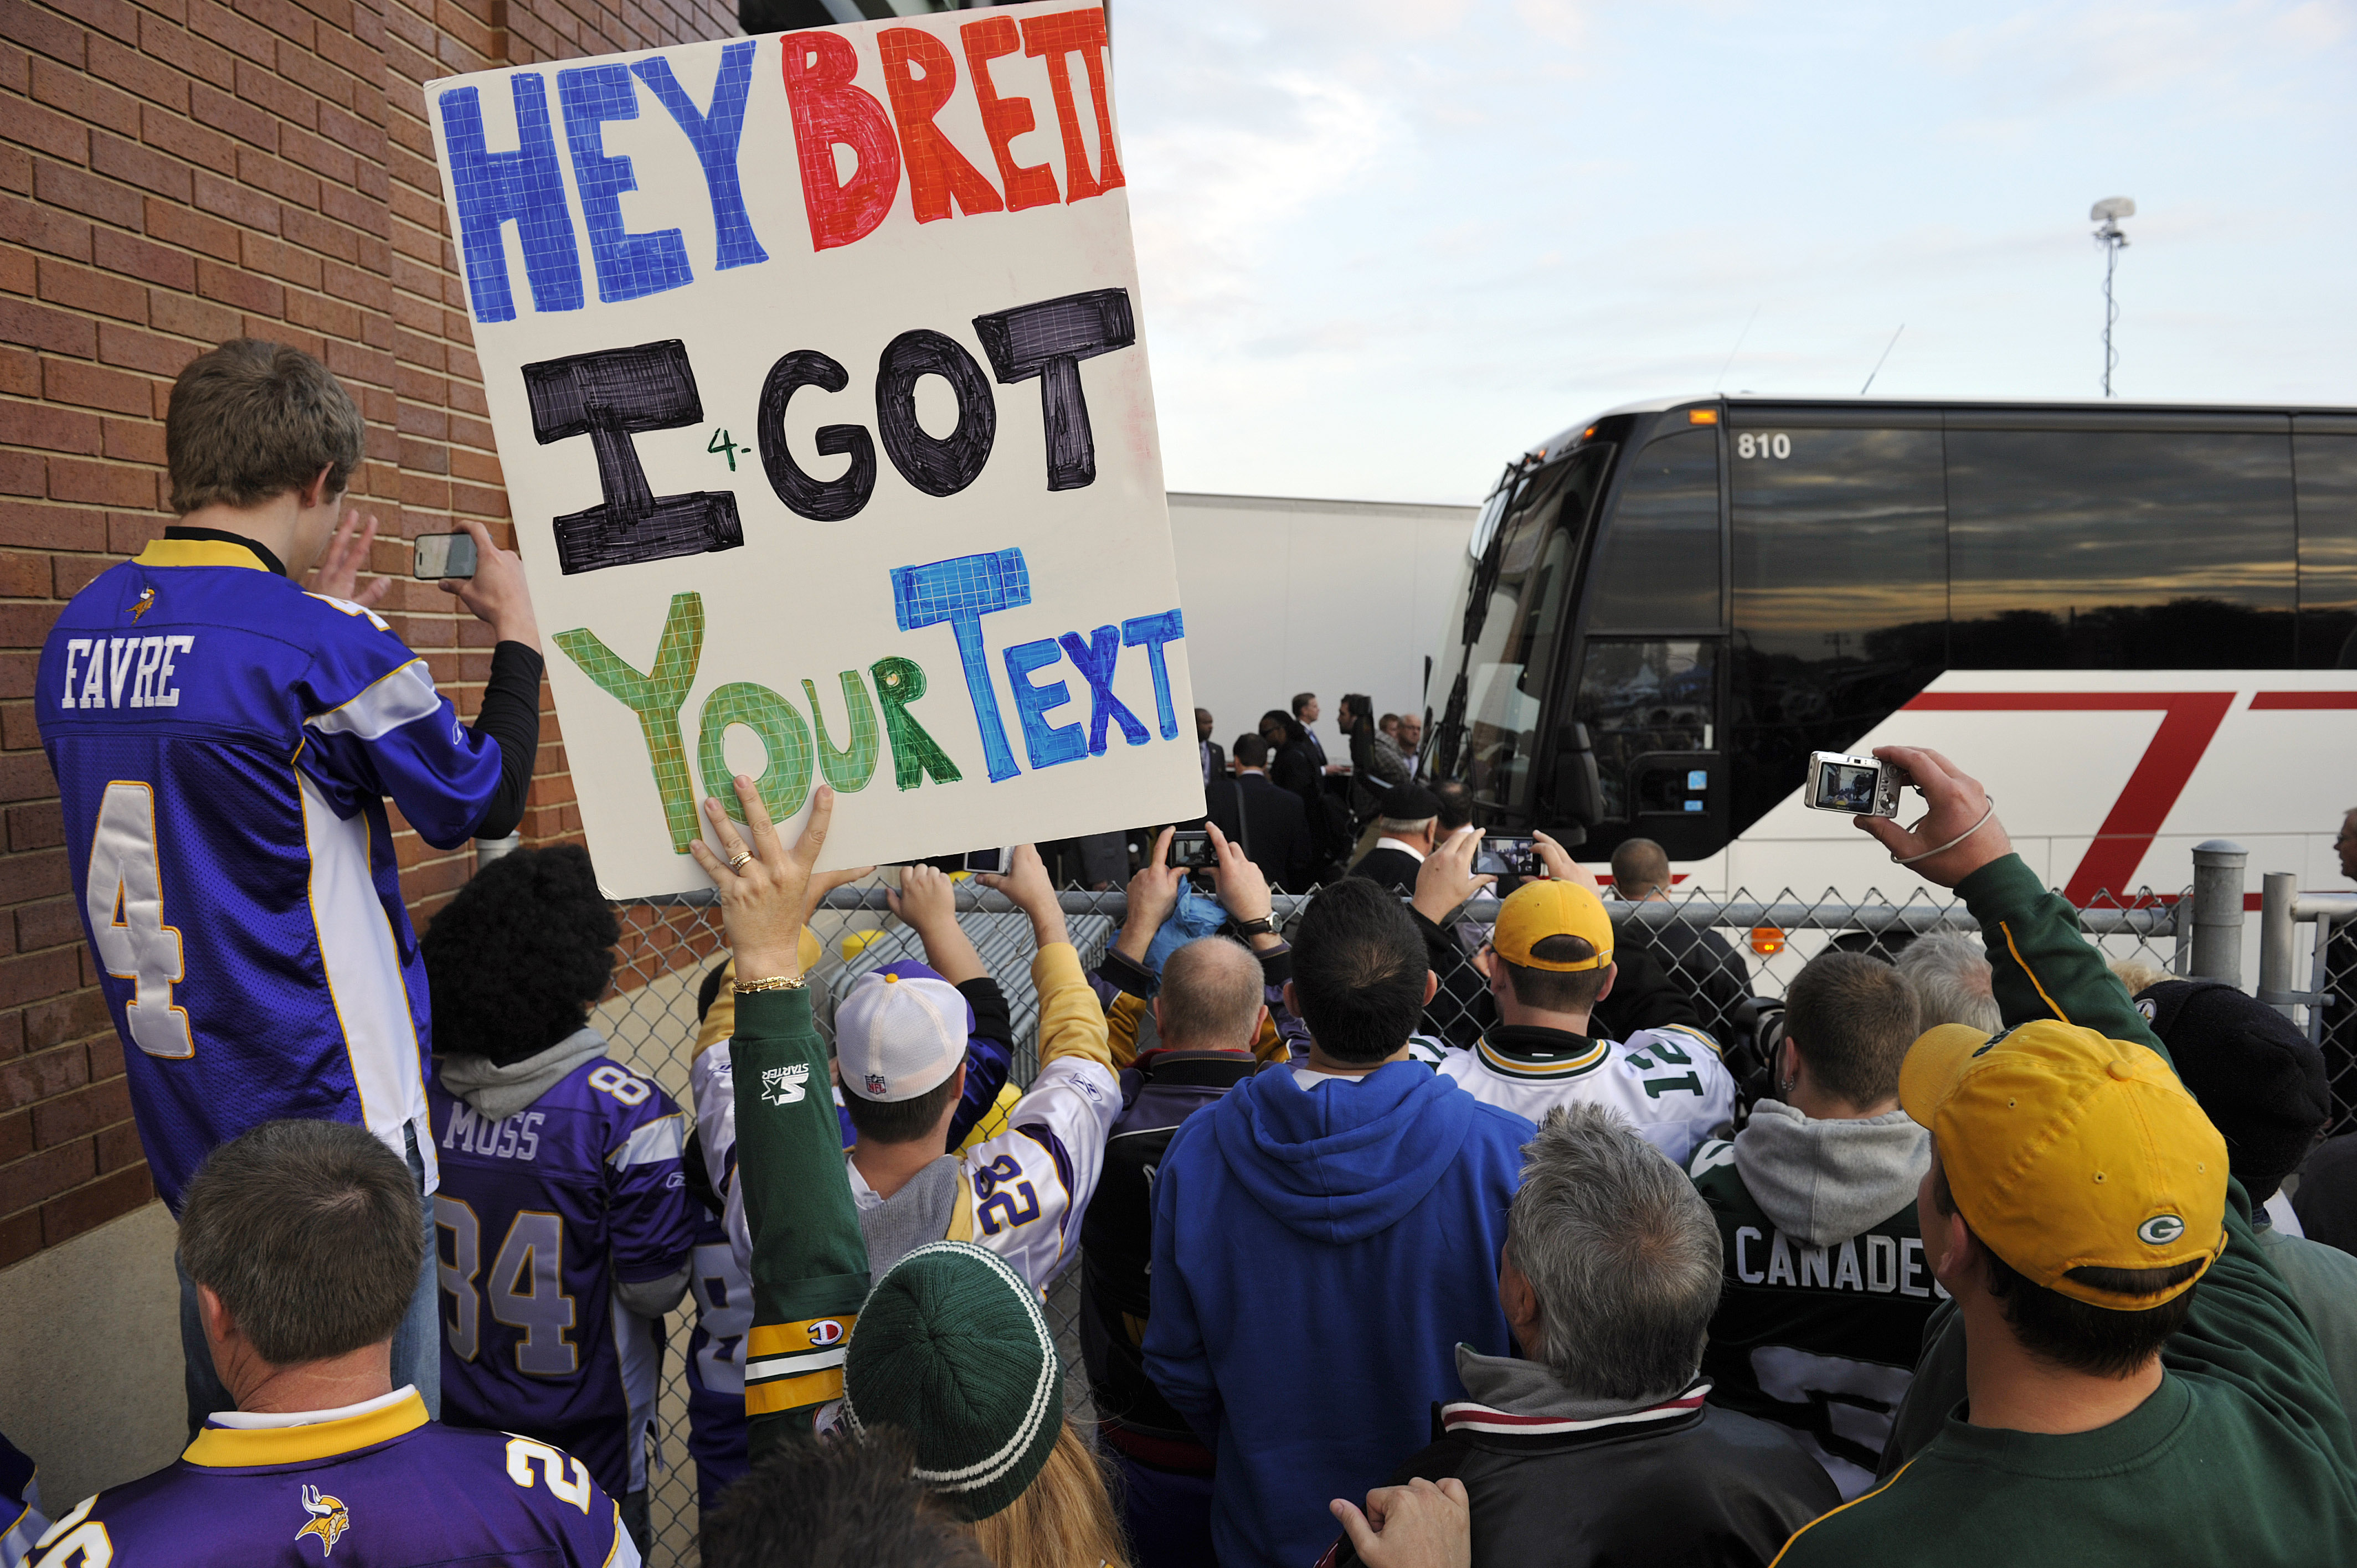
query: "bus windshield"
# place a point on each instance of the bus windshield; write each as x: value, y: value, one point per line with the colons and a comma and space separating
x: 1521, y: 601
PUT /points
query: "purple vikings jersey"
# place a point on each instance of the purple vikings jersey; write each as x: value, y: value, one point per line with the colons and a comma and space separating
x: 538, y: 1216
x: 716, y: 1362
x: 223, y: 743
x: 380, y: 1486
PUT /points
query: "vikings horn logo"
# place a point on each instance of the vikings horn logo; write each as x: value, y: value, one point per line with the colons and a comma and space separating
x: 145, y: 602
x: 329, y: 1521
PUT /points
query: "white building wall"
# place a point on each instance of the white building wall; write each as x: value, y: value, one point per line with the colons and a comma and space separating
x: 1285, y: 595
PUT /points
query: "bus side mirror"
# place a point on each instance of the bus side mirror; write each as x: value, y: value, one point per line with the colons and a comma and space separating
x: 1577, y: 791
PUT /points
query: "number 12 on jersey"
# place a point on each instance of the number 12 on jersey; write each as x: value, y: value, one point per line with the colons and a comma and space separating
x: 123, y: 899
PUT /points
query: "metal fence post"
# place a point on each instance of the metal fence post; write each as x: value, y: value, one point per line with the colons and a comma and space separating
x: 2218, y: 867
x: 2278, y: 933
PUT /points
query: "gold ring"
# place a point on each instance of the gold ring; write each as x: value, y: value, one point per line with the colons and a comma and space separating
x: 736, y: 861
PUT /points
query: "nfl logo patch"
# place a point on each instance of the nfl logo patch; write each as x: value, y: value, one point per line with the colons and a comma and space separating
x: 876, y: 1084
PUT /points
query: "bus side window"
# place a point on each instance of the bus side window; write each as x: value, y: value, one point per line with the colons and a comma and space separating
x: 2120, y: 549
x: 1657, y: 563
x: 2327, y: 466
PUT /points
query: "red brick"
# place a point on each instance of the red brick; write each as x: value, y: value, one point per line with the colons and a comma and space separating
x: 184, y: 138
x: 11, y: 1035
x: 44, y: 1075
x: 88, y: 1208
x: 128, y: 69
x: 20, y: 372
x: 241, y: 289
x: 37, y: 328
x: 119, y: 1146
x: 23, y: 474
x: 20, y: 1237
x: 22, y: 576
x: 50, y: 429
x: 181, y: 226
x: 96, y: 1026
x: 46, y: 131
x: 16, y: 1136
x: 131, y: 441
x: 143, y: 167
x: 287, y: 21
x: 226, y: 114
x: 17, y: 269
x: 15, y: 164
x: 178, y: 46
x: 78, y: 191
x: 95, y: 386
x: 81, y: 1113
x: 78, y: 288
x: 74, y: 571
x: 223, y: 25
x: 98, y: 484
x: 277, y: 258
x: 43, y: 1176
x: 56, y: 923
x: 84, y: 97
x: 32, y: 527
x: 44, y: 228
x: 116, y: 17
x: 25, y: 626
x: 137, y: 258
x: 41, y: 30
x: 40, y: 825
x: 200, y: 319
x: 278, y: 176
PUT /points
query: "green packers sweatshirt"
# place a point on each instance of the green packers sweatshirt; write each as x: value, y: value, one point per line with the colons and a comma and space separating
x: 2241, y: 1456
x: 810, y: 1263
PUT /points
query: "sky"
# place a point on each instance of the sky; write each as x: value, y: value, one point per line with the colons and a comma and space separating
x: 1384, y: 246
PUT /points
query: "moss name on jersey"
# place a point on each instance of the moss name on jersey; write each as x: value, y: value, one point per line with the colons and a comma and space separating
x: 1822, y: 1340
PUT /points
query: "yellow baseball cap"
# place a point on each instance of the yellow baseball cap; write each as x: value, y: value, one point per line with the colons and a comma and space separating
x: 2064, y: 1149
x: 1537, y: 910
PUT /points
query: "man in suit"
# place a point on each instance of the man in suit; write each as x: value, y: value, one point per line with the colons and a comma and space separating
x: 1304, y: 712
x: 1405, y: 832
x: 1214, y: 760
x: 1275, y: 826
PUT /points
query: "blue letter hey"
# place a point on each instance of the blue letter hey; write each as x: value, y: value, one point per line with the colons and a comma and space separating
x: 716, y: 134
x: 628, y: 265
x: 527, y: 186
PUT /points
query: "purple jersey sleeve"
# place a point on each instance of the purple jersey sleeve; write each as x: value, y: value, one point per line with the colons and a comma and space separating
x: 377, y: 726
x: 648, y: 1220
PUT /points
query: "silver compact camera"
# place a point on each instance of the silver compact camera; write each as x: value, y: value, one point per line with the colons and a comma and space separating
x: 1858, y: 785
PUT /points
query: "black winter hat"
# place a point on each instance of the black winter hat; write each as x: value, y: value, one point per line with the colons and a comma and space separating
x: 1410, y: 802
x: 2257, y: 1077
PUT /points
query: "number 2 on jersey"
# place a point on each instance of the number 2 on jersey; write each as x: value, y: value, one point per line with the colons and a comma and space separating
x: 124, y: 897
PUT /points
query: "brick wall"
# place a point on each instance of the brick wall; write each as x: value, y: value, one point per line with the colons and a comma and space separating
x: 173, y: 174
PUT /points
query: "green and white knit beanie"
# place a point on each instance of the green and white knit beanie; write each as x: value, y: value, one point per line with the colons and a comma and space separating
x: 952, y: 1349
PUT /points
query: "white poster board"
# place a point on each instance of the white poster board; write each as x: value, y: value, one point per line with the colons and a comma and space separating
x: 815, y: 364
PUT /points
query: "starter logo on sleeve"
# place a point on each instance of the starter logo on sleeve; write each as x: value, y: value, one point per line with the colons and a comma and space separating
x: 785, y: 1085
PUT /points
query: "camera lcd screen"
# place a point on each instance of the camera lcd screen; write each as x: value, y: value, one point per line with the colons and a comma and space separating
x: 1848, y: 789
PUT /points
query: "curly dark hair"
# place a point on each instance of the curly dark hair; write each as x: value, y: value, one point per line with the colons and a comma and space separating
x: 520, y: 956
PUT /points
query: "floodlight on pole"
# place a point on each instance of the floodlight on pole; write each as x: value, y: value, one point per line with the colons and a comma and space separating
x: 2108, y: 212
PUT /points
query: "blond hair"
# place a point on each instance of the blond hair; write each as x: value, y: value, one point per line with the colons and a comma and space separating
x: 2137, y: 975
x: 1063, y: 1519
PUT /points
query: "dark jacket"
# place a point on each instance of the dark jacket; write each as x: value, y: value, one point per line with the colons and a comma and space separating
x: 1275, y: 829
x: 1557, y: 1482
x: 1394, y: 868
x: 1700, y: 963
x: 1219, y: 765
x: 1296, y: 768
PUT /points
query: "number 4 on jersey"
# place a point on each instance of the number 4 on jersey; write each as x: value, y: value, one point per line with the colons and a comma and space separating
x: 124, y: 901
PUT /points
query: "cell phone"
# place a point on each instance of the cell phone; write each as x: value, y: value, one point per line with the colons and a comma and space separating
x: 1193, y: 852
x: 1858, y: 785
x: 441, y: 555
x: 1504, y: 855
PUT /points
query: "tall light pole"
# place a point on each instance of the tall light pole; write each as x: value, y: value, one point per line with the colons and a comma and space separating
x: 2108, y: 212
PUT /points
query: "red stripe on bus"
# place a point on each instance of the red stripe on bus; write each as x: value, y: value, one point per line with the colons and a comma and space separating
x: 2304, y: 700
x: 2189, y: 720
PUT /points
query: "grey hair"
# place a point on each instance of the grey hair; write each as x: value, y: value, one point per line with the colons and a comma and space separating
x: 1211, y: 996
x: 1950, y: 973
x: 1399, y: 826
x: 1621, y: 1253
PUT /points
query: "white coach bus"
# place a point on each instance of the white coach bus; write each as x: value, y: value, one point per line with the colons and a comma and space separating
x: 2136, y: 623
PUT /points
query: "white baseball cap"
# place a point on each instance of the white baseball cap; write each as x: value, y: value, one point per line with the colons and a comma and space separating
x: 900, y: 1032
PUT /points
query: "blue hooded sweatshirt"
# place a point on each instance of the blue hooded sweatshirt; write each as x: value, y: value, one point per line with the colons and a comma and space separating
x: 1318, y: 1255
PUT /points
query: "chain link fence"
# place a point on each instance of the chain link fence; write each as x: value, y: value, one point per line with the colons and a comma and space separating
x: 1734, y: 955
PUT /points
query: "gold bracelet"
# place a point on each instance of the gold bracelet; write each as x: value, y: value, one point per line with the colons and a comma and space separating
x: 774, y: 982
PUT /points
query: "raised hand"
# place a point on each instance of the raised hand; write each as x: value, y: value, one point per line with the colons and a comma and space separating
x: 1557, y: 860
x: 1153, y: 894
x: 496, y: 593
x: 347, y: 554
x: 762, y: 882
x: 1961, y: 825
x: 1025, y: 882
x: 1447, y: 879
x: 1241, y: 888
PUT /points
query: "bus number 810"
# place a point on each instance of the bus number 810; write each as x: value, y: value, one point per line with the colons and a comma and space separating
x: 1777, y: 445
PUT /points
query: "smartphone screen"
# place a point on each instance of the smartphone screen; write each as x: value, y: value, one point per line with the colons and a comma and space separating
x: 984, y: 860
x: 443, y: 555
x: 1192, y: 851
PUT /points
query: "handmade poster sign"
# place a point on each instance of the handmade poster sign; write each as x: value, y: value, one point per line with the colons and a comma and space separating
x: 815, y: 369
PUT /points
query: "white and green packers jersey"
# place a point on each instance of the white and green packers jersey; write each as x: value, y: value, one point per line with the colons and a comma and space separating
x: 1665, y: 1082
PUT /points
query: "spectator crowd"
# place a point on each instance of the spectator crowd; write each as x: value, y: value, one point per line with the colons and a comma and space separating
x: 1414, y: 1229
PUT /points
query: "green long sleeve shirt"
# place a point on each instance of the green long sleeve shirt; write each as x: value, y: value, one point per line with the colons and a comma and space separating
x: 2241, y: 1454
x: 810, y: 1263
